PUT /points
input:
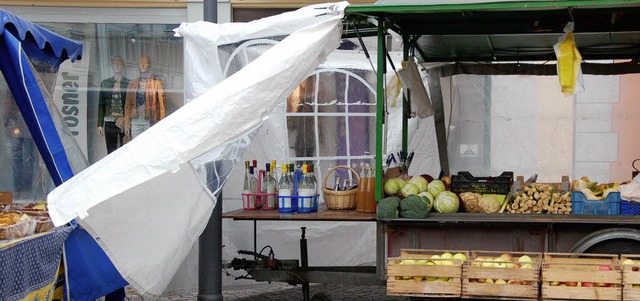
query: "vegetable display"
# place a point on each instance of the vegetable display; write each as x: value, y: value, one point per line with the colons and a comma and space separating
x: 388, y: 207
x: 414, y: 206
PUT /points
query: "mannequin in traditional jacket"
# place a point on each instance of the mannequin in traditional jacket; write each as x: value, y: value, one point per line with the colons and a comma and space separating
x: 113, y: 92
x: 145, y: 97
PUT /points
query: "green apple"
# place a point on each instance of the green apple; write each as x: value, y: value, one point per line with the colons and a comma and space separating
x: 446, y: 255
x: 460, y: 256
x: 407, y: 261
x: 499, y: 262
x: 525, y: 262
x: 437, y: 262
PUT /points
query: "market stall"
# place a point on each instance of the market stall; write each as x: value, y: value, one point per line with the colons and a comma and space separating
x: 30, y: 250
x: 497, y: 38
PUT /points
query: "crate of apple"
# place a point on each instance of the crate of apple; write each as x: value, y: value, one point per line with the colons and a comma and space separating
x: 501, y: 275
x: 630, y: 276
x: 581, y: 277
x: 426, y: 273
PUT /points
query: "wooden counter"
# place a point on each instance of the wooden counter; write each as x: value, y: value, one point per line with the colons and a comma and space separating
x: 323, y: 214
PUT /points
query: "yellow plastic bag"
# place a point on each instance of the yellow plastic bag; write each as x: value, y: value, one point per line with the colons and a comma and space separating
x: 569, y: 59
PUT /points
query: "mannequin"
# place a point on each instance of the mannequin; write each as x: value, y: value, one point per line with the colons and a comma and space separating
x: 113, y: 91
x: 145, y: 100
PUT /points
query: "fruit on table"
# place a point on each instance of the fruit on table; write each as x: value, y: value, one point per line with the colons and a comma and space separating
x: 635, y: 266
x: 446, y: 180
x: 444, y: 259
x: 525, y: 262
x: 500, y: 281
x: 460, y: 257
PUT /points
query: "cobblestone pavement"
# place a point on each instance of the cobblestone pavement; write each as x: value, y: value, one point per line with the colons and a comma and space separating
x: 282, y: 292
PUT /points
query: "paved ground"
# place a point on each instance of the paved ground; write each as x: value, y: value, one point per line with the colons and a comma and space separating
x: 282, y: 292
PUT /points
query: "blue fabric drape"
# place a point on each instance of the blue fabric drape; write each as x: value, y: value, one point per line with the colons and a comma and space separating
x: 90, y: 273
x: 25, y: 90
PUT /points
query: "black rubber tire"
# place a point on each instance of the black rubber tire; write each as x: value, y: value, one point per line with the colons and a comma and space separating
x: 321, y: 297
x: 618, y: 246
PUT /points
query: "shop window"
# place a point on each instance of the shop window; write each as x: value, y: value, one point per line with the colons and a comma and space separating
x: 20, y: 163
x: 103, y: 42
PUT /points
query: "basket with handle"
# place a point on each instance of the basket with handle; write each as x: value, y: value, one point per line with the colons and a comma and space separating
x: 340, y: 199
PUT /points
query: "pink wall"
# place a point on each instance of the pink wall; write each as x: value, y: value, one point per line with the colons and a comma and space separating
x: 626, y: 122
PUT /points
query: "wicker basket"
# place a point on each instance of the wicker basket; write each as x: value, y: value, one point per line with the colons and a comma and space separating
x: 340, y: 199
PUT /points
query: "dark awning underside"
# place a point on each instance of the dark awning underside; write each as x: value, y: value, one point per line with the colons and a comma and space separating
x: 509, y: 31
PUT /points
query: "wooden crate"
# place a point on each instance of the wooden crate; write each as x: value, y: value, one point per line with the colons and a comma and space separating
x: 567, y: 276
x: 484, y: 268
x: 630, y: 276
x: 417, y: 273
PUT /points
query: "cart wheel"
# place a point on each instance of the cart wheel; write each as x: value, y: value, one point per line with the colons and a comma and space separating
x: 321, y: 297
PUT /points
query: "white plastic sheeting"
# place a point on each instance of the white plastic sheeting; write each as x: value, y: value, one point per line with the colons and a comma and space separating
x: 203, y: 38
x: 144, y: 203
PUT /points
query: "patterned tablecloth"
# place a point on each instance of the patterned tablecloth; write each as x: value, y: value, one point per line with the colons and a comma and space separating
x: 29, y: 266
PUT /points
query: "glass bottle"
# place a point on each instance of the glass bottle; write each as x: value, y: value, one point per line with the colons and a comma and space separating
x: 268, y: 187
x: 370, y: 191
x: 254, y: 185
x: 249, y: 201
x: 360, y: 196
x: 312, y: 175
x: 306, y: 190
x: 284, y: 189
x: 274, y: 173
x: 291, y: 173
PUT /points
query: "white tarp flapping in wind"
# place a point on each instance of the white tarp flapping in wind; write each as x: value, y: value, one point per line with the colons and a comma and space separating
x: 147, y: 203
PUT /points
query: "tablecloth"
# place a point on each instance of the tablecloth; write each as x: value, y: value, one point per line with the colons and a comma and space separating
x: 29, y: 266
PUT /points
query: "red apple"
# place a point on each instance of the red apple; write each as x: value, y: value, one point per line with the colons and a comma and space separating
x: 605, y: 268
x: 506, y: 257
x: 587, y: 284
x: 571, y: 283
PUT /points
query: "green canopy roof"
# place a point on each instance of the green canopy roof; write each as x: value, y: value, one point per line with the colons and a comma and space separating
x: 507, y: 31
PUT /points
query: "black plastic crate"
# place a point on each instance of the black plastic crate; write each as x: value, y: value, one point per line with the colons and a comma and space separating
x: 466, y: 182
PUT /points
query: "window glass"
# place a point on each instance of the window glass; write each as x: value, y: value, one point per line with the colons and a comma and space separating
x: 109, y: 51
x: 147, y: 56
x: 343, y: 124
